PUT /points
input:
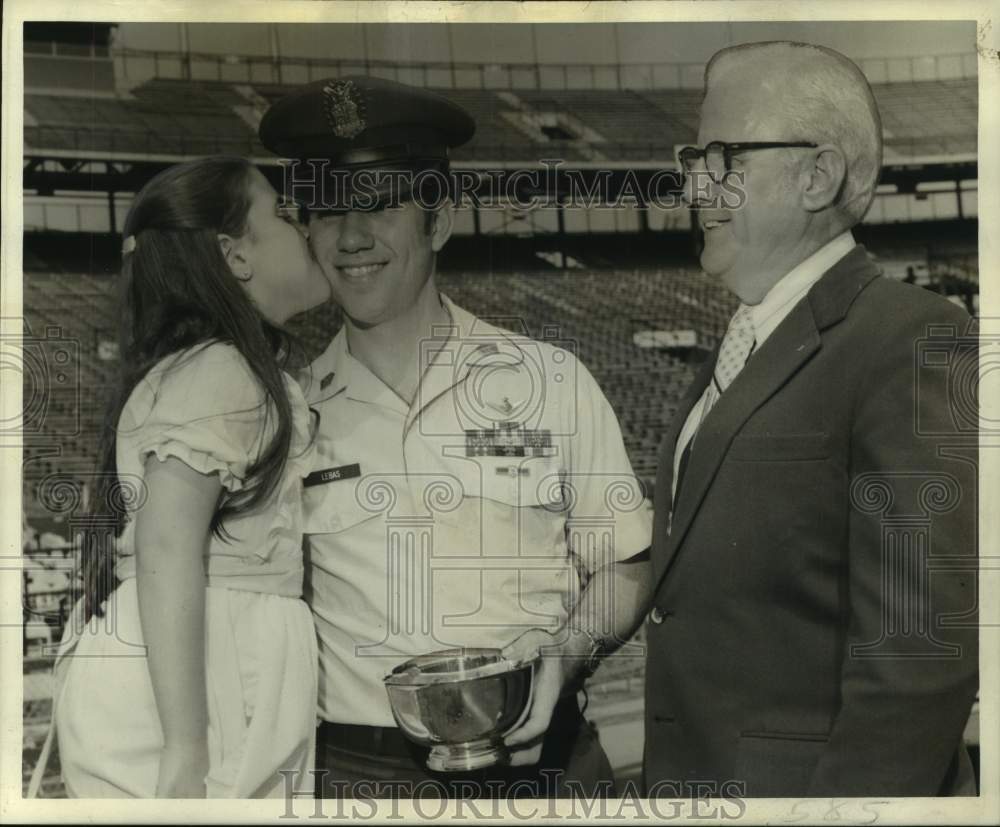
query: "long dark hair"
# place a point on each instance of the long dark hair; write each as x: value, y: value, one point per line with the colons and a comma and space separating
x: 177, y: 292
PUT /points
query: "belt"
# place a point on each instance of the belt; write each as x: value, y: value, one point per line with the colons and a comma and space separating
x: 390, y: 741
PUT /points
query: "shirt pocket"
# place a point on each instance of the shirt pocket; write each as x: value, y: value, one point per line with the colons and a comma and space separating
x: 333, y: 507
x: 533, y: 482
x: 510, y: 505
x: 529, y: 507
x: 780, y: 447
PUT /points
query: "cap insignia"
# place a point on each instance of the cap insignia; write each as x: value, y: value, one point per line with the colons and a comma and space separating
x: 343, y: 107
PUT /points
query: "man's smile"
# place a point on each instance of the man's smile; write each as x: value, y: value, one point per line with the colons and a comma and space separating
x: 360, y: 272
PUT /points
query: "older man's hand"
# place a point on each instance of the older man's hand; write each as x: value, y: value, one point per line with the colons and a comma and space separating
x: 562, y: 658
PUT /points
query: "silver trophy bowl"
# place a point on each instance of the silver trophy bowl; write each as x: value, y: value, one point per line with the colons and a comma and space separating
x: 461, y: 703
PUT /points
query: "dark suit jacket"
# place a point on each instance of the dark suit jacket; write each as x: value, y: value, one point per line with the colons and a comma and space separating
x: 817, y: 588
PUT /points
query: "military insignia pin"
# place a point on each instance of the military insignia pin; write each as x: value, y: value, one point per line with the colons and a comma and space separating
x: 505, y: 406
x: 343, y: 107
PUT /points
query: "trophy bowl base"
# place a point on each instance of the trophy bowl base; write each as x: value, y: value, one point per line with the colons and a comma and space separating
x: 470, y: 755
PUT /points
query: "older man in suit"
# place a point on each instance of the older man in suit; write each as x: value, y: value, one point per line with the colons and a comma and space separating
x: 813, y: 621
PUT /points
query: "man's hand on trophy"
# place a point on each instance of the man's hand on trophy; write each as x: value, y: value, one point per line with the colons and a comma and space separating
x: 562, y: 656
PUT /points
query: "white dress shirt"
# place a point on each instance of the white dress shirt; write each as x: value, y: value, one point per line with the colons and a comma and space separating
x: 768, y: 314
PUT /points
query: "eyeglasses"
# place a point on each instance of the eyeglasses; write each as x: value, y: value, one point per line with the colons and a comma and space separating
x: 718, y: 155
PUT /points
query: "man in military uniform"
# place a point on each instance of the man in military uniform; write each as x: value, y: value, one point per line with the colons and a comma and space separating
x: 470, y: 480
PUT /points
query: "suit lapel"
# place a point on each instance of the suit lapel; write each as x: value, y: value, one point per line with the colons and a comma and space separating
x: 665, y: 460
x: 786, y: 350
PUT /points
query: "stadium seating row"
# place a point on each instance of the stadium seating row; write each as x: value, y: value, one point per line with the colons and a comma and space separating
x: 201, y: 117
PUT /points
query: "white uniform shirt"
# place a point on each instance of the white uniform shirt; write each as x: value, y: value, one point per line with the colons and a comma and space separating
x: 769, y: 313
x: 463, y: 519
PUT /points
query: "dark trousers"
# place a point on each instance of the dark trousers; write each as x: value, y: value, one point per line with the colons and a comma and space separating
x: 379, y: 762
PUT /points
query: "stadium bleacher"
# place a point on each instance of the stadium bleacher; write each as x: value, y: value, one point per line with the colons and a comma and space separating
x: 168, y: 116
x: 929, y: 117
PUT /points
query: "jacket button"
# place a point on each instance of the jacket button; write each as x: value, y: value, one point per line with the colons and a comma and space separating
x: 656, y: 615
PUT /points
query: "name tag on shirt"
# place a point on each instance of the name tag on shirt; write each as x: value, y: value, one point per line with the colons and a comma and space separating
x: 344, y: 472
